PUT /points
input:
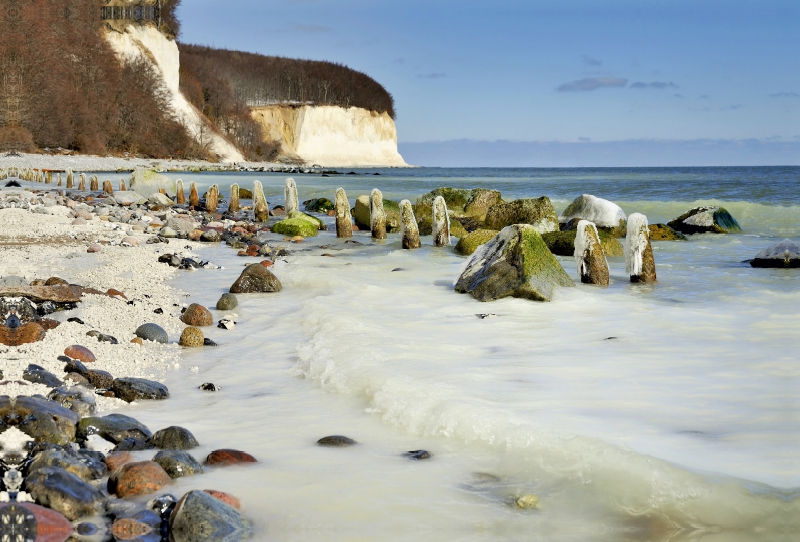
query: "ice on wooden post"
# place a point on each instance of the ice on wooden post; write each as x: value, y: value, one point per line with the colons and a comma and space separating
x: 49, y: 178
x: 589, y: 257
x: 344, y: 222
x: 194, y: 197
x: 260, y: 209
x: 59, y: 179
x: 70, y: 179
x: 107, y: 188
x: 212, y: 199
x: 290, y: 196
x: 441, y: 223
x: 94, y: 183
x: 408, y: 226
x: 233, y: 203
x: 639, y: 261
x: 377, y: 216
x: 180, y: 195
x: 82, y: 182
x: 122, y: 187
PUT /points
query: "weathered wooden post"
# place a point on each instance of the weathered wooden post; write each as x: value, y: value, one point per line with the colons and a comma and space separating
x: 377, y: 215
x: 291, y: 202
x: 441, y: 223
x: 180, y: 196
x: 233, y: 201
x: 194, y: 197
x: 408, y: 224
x: 212, y: 199
x: 639, y: 261
x: 260, y: 209
x: 344, y: 222
x: 589, y: 258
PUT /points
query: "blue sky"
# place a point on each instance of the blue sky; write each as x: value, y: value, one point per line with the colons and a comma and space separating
x: 566, y: 71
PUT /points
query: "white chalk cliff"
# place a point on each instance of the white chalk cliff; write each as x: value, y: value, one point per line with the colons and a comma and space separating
x: 146, y: 41
x: 332, y: 136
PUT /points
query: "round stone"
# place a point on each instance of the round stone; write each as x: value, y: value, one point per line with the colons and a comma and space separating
x: 229, y: 457
x: 129, y: 241
x: 197, y: 315
x: 191, y: 337
x: 227, y: 302
x: 526, y: 502
x: 140, y: 478
x: 174, y: 438
x: 152, y: 332
x: 94, y: 247
x: 81, y: 353
x: 178, y: 463
x: 336, y: 441
x: 227, y: 498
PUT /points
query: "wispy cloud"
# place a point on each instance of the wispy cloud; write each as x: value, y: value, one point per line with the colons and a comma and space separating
x: 655, y: 84
x: 589, y: 61
x: 732, y: 107
x: 678, y: 95
x: 310, y: 28
x: 584, y: 139
x: 592, y: 83
x: 704, y: 97
x: 437, y: 75
x: 785, y: 95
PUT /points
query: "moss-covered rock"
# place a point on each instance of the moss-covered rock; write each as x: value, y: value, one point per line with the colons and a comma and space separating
x: 516, y: 263
x: 319, y: 205
x: 318, y: 223
x: 470, y: 242
x: 244, y: 193
x: 361, y: 214
x: 562, y: 243
x: 662, y: 232
x: 538, y: 212
x: 705, y: 220
x: 149, y: 181
x: 295, y: 226
x: 480, y: 201
x: 425, y: 224
x: 460, y: 201
x: 456, y: 229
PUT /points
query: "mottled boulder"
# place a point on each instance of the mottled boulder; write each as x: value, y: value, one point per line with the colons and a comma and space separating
x: 191, y: 337
x: 256, y: 279
x: 562, y: 243
x: 44, y: 420
x: 470, y: 242
x: 199, y: 517
x: 480, y: 201
x: 227, y: 302
x: 174, y: 438
x: 705, y: 220
x: 662, y: 232
x: 149, y: 181
x: 336, y: 441
x: 537, y: 212
x: 229, y: 457
x: 515, y: 263
x: 69, y: 460
x: 197, y: 315
x: 78, y: 399
x: 295, y: 226
x: 114, y: 428
x: 39, y: 375
x: 785, y: 254
x: 64, y: 492
x: 603, y: 213
x: 178, y: 463
x: 319, y: 205
x: 139, y: 478
x: 137, y: 389
x: 227, y: 498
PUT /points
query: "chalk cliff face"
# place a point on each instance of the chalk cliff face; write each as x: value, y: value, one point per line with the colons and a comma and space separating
x: 332, y: 136
x: 146, y: 41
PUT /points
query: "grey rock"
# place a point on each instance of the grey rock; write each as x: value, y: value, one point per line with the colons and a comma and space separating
x: 149, y: 181
x: 39, y: 375
x: 199, y: 517
x: 785, y: 254
x: 82, y: 466
x: 336, y: 441
x: 44, y: 420
x: 227, y: 302
x: 152, y: 332
x: 174, y: 438
x: 211, y: 236
x: 64, y: 492
x: 78, y: 399
x: 136, y: 389
x: 178, y: 463
x: 705, y: 220
x: 537, y: 212
x: 114, y: 428
x: 168, y: 233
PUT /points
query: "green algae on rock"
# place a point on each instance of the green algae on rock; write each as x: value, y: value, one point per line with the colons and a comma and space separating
x: 470, y: 242
x: 295, y: 226
x: 515, y: 263
x: 562, y: 243
x: 705, y: 220
x: 537, y: 212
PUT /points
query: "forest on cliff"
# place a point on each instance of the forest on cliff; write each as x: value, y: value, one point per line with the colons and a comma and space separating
x: 62, y: 86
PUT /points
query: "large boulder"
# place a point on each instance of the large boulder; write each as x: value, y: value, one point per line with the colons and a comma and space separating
x: 662, y: 232
x: 64, y: 492
x: 148, y: 181
x: 200, y: 517
x: 460, y: 201
x: 562, y: 243
x: 515, y: 263
x: 705, y: 220
x: 470, y: 242
x: 538, y: 212
x: 295, y: 226
x: 256, y: 279
x: 785, y: 254
x: 603, y: 213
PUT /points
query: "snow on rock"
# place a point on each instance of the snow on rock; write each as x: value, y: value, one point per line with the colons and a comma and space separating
x: 603, y: 213
x: 639, y: 261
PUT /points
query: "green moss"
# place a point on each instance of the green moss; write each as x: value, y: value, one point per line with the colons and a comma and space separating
x: 662, y: 232
x: 535, y: 211
x: 316, y: 222
x: 455, y: 198
x: 295, y: 226
x: 456, y: 229
x: 470, y: 242
x: 244, y: 193
x: 562, y: 243
x: 538, y: 262
x: 319, y: 205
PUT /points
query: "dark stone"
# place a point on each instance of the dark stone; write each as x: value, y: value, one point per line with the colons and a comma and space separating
x: 135, y: 389
x: 320, y: 205
x: 99, y: 379
x: 64, y: 492
x: 79, y: 400
x: 131, y: 444
x: 174, y: 438
x: 76, y: 320
x: 227, y: 302
x: 73, y: 366
x: 152, y: 332
x: 101, y: 337
x: 44, y: 420
x: 336, y: 441
x: 39, y: 375
x: 211, y: 236
x: 255, y: 279
x: 209, y: 342
x: 199, y: 517
x: 178, y: 463
x: 68, y: 459
x: 705, y: 220
x: 113, y: 427
x: 785, y: 254
x: 209, y: 386
x: 229, y: 457
x: 418, y: 455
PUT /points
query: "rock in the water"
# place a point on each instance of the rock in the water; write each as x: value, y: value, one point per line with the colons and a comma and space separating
x: 537, y: 212
x: 254, y: 279
x: 705, y: 220
x: 68, y: 460
x: 197, y: 315
x: 199, y: 517
x: 177, y: 463
x: 480, y: 201
x: 148, y: 181
x: 44, y: 420
x: 603, y: 213
x: 192, y: 337
x: 64, y: 492
x: 662, y: 232
x: 639, y: 261
x: 589, y: 258
x: 785, y: 254
x: 117, y: 459
x: 319, y: 205
x: 80, y: 353
x: 140, y: 478
x: 336, y: 441
x: 418, y: 455
x: 516, y: 263
x: 227, y: 498
x: 455, y: 199
x: 470, y: 242
x: 211, y: 236
x: 152, y: 332
x: 227, y: 302
x: 113, y: 427
x: 295, y: 226
x: 562, y: 243
x: 229, y: 457
x: 174, y: 438
x: 136, y: 389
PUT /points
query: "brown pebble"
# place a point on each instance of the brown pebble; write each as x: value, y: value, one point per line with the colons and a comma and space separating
x: 191, y: 337
x: 197, y: 315
x: 227, y: 498
x: 298, y: 239
x: 331, y: 213
x: 94, y: 247
x: 130, y: 529
x: 267, y: 263
x: 229, y: 457
x: 81, y: 353
x: 137, y: 340
x: 140, y: 478
x: 116, y: 293
x: 241, y: 253
x: 55, y: 281
x: 118, y: 459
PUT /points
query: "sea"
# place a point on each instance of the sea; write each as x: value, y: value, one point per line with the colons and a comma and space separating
x: 632, y: 412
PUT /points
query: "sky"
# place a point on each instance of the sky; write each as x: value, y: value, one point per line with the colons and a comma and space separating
x: 619, y: 82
